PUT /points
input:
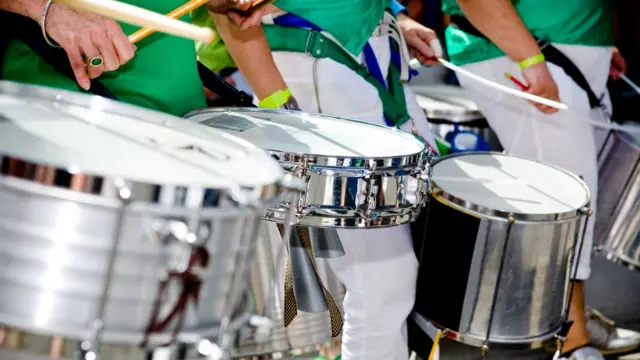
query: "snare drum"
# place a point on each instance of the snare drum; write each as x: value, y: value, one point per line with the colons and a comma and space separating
x: 359, y: 175
x: 617, y: 229
x: 495, y: 264
x: 82, y: 177
x: 455, y: 118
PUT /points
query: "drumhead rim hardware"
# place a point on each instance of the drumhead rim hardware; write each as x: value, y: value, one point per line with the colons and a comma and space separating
x: 329, y: 158
x: 484, y: 211
x: 60, y: 100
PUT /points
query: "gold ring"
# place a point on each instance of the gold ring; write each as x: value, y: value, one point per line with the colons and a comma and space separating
x: 96, y: 61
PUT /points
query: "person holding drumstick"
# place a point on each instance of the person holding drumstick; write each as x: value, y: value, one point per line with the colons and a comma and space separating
x: 159, y: 73
x: 379, y: 267
x: 563, y: 52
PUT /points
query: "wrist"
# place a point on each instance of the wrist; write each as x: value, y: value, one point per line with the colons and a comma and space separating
x: 276, y: 99
x: 531, y: 61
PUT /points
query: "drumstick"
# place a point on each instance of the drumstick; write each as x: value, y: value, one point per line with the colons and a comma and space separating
x: 141, y: 17
x: 521, y: 94
x: 175, y: 14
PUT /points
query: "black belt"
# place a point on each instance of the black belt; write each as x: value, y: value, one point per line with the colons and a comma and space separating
x: 551, y: 54
x: 14, y: 26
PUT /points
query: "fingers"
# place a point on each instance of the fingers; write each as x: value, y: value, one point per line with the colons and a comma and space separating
x: 125, y: 50
x: 420, y: 46
x: 90, y: 51
x: 78, y: 66
x: 544, y: 93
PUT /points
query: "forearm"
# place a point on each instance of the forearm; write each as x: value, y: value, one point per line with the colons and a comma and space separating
x: 251, y: 53
x: 499, y: 21
x: 29, y: 8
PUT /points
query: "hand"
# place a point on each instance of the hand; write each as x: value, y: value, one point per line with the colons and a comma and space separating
x: 422, y: 42
x: 618, y: 65
x: 254, y: 19
x: 541, y: 84
x: 84, y: 36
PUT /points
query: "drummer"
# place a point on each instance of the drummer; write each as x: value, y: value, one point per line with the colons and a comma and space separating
x: 494, y: 37
x: 379, y: 268
x: 159, y: 73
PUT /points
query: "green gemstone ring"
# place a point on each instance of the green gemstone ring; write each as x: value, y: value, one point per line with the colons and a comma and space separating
x: 96, y: 61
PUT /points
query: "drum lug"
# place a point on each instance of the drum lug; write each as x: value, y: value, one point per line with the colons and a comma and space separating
x: 485, y: 350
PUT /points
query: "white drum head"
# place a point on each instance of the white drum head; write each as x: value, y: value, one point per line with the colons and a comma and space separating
x: 510, y: 184
x: 302, y: 133
x: 100, y: 137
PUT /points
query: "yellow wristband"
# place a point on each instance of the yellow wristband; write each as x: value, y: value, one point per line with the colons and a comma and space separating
x: 534, y: 60
x: 275, y: 100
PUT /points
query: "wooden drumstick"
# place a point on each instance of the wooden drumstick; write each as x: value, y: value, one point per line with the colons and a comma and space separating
x: 175, y: 14
x: 141, y: 17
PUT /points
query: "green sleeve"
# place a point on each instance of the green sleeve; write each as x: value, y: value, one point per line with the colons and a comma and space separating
x: 215, y: 55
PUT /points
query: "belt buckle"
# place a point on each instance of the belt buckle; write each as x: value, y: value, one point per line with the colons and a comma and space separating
x: 315, y: 45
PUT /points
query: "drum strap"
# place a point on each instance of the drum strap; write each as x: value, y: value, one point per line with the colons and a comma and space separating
x: 293, y: 34
x: 290, y: 305
x: 551, y: 54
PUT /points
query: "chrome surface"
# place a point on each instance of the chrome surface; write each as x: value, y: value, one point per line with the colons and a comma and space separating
x: 446, y: 102
x: 617, y: 229
x: 529, y: 302
x: 307, y: 329
x: 15, y: 345
x: 342, y: 191
x: 60, y: 213
x: 483, y: 211
x: 447, y: 106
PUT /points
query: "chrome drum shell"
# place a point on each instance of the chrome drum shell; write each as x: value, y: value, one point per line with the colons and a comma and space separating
x: 617, y: 229
x: 164, y: 187
x: 493, y: 276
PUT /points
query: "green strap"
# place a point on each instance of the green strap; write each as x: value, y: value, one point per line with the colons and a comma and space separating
x: 313, y: 43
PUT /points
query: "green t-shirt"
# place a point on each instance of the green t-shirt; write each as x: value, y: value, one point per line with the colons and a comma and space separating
x: 573, y: 22
x: 162, y: 75
x: 351, y: 22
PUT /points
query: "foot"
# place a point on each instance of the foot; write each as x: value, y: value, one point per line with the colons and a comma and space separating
x: 585, y: 353
x: 607, y: 338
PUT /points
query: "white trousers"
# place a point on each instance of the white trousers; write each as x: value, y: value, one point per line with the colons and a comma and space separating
x: 560, y: 139
x: 379, y: 268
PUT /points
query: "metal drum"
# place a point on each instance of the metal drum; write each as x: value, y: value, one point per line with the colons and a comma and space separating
x: 104, y: 205
x: 499, y: 237
x: 450, y: 111
x: 617, y: 229
x: 358, y: 175
x: 307, y: 330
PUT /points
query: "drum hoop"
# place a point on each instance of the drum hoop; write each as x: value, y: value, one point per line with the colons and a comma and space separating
x: 485, y: 212
x: 27, y: 180
x: 69, y: 98
x: 328, y: 159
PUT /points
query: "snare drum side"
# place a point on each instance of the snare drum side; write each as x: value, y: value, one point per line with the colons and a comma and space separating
x: 459, y: 268
x: 367, y: 194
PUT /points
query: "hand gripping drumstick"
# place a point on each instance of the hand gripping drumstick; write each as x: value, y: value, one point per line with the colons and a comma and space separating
x: 415, y: 64
x: 175, y: 14
x: 141, y: 17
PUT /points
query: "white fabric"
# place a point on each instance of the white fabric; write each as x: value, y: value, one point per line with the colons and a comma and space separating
x: 559, y: 139
x: 379, y: 269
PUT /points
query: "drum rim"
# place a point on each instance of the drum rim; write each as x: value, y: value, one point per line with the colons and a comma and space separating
x: 486, y: 212
x: 66, y: 97
x: 321, y: 158
x: 29, y: 178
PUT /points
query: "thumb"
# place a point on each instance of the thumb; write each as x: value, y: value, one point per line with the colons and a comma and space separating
x: 436, y: 46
